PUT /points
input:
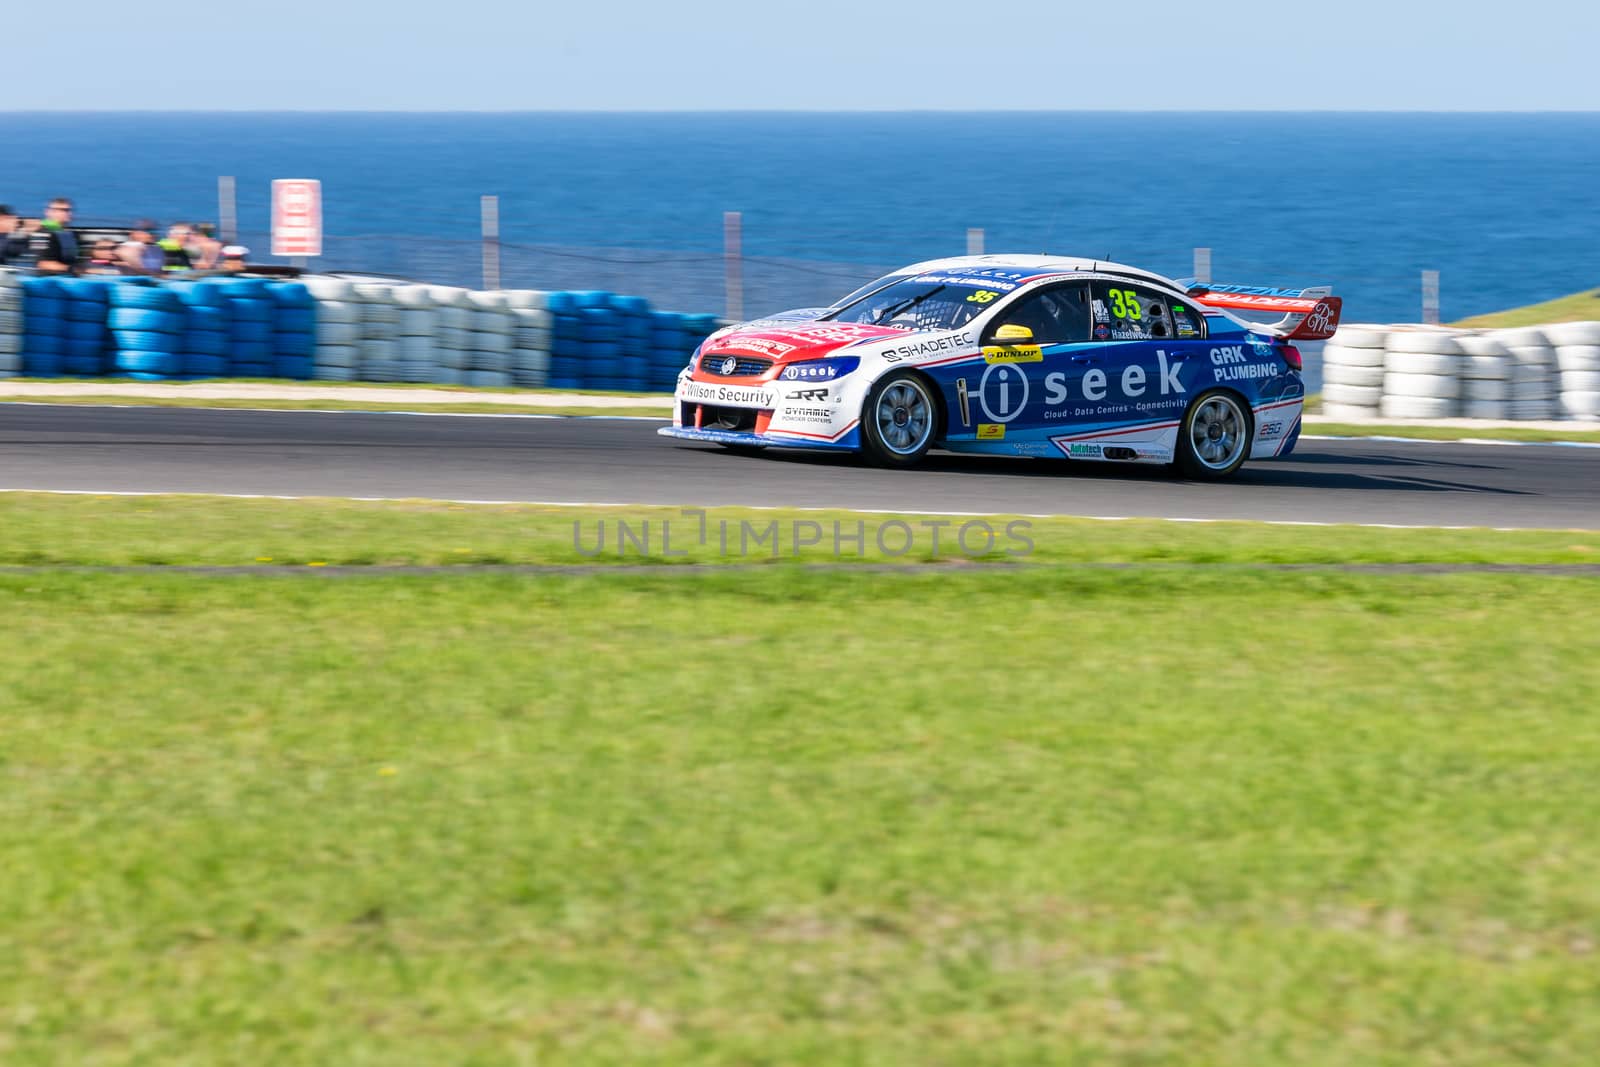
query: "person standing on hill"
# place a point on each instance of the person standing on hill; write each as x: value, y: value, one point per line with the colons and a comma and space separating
x: 56, y: 243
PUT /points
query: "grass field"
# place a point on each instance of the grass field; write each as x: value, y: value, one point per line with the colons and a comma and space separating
x: 1578, y: 432
x: 948, y: 814
x: 1579, y: 307
x: 59, y: 529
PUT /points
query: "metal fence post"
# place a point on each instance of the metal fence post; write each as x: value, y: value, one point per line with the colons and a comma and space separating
x: 1202, y: 266
x: 227, y: 210
x: 975, y: 241
x: 732, y: 259
x: 1430, y: 297
x: 491, y: 241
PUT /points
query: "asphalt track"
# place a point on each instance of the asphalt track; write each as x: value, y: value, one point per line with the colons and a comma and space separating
x: 362, y: 454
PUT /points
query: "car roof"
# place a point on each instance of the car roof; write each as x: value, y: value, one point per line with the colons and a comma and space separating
x: 1032, y: 265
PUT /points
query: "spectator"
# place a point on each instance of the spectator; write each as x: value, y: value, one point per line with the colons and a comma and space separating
x: 13, y: 237
x: 174, y: 249
x: 204, y: 249
x: 56, y: 242
x: 233, y: 259
x: 103, y: 259
x: 140, y: 254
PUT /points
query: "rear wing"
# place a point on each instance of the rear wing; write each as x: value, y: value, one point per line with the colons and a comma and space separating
x: 1308, y: 314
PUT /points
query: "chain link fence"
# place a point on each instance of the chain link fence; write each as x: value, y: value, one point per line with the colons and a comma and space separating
x: 687, y: 281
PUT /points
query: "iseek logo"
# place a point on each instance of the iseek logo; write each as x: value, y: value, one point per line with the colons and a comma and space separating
x: 1004, y: 389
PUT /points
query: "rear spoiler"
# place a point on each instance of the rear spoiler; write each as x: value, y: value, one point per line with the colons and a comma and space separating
x: 1308, y: 314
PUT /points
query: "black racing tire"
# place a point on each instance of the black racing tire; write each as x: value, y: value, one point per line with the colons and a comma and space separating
x: 900, y: 420
x: 1214, y: 436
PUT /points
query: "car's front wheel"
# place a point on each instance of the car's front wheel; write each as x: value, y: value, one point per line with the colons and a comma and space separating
x: 1214, y: 437
x: 900, y: 420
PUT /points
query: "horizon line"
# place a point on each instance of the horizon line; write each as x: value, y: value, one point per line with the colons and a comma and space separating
x: 802, y: 111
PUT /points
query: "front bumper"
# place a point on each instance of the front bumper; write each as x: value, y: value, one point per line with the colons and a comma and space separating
x: 757, y: 440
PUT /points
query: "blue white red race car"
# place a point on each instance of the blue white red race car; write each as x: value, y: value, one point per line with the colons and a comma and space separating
x: 1016, y: 355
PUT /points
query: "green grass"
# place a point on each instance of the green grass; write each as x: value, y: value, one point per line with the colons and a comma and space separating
x: 50, y: 529
x: 942, y: 816
x: 1579, y: 307
x: 1454, y: 433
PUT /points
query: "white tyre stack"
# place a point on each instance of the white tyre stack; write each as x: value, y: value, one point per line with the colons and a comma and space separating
x: 1534, y: 384
x: 338, y: 332
x: 1577, y: 347
x: 1422, y: 374
x: 530, y: 360
x: 10, y: 325
x: 331, y: 289
x: 493, y: 339
x: 417, y: 333
x: 1352, y: 372
x: 380, y: 335
x: 1486, y: 370
x: 534, y: 299
x: 453, y: 353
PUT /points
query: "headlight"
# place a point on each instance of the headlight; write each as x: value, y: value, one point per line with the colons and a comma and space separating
x: 819, y: 370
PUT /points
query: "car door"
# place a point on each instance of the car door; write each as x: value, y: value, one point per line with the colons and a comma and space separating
x: 1146, y: 364
x: 1025, y: 384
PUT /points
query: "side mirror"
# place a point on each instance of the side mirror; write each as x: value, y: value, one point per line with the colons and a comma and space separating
x: 1011, y: 333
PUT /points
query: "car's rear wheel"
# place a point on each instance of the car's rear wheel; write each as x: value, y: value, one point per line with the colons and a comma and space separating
x: 1214, y: 438
x: 900, y: 420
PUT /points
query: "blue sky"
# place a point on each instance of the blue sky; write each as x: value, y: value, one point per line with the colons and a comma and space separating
x: 819, y: 55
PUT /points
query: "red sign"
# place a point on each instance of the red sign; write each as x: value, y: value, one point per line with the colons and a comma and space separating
x: 297, y: 217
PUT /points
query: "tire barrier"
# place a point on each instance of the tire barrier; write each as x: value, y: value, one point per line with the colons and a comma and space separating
x: 332, y: 329
x: 1352, y: 372
x: 10, y: 325
x: 1422, y: 372
x: 1577, y: 346
x: 149, y: 324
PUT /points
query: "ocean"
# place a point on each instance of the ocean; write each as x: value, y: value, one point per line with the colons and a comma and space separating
x: 1505, y: 206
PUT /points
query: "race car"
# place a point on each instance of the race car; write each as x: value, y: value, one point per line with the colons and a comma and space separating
x: 1016, y: 355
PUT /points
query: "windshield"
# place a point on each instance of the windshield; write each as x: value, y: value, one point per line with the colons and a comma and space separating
x: 929, y: 302
x: 872, y: 286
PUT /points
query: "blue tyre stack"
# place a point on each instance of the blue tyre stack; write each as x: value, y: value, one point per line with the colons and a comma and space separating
x: 294, y: 330
x: 250, y: 333
x: 633, y: 319
x: 86, y: 338
x: 670, y: 349
x: 148, y: 324
x: 207, y: 341
x: 697, y: 328
x: 44, y: 317
x: 566, y: 342
x: 601, y: 329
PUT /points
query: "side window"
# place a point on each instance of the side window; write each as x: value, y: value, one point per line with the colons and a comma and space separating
x: 1187, y: 322
x: 1056, y: 316
x: 1124, y: 312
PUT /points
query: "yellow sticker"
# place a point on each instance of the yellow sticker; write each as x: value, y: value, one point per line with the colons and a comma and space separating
x: 991, y: 431
x: 1014, y: 354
